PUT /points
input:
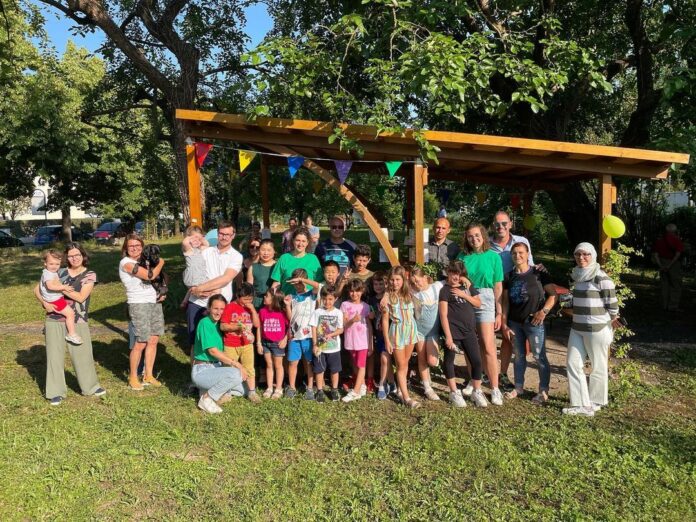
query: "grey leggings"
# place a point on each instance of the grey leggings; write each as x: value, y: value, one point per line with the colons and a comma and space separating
x: 473, y: 354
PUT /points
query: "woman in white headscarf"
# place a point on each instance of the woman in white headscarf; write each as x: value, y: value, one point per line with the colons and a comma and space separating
x: 595, y: 315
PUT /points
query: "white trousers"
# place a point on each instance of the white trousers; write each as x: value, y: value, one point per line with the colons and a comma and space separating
x: 594, y: 345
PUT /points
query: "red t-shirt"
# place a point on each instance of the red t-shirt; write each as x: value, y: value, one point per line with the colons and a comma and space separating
x: 668, y: 245
x: 234, y: 314
x: 273, y: 325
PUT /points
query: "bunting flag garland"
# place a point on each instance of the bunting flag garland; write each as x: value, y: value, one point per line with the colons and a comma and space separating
x: 202, y: 150
x: 294, y: 164
x: 392, y: 167
x: 317, y: 185
x: 343, y: 168
x: 245, y: 158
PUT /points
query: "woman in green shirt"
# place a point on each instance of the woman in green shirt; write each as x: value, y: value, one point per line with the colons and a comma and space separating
x: 216, y: 382
x: 486, y: 273
x: 298, y: 258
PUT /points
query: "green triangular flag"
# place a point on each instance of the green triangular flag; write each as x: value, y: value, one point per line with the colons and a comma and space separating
x: 392, y: 167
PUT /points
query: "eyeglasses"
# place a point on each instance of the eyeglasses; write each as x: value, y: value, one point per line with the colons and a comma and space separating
x: 501, y: 224
x: 138, y: 245
x: 75, y: 256
x: 582, y: 254
x: 339, y: 227
x: 223, y: 234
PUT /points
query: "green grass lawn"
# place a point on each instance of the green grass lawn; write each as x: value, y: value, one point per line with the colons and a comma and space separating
x: 153, y: 455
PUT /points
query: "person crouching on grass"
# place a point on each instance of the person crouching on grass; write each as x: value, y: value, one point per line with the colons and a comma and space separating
x: 272, y: 339
x: 357, y: 324
x: 327, y: 327
x: 236, y: 323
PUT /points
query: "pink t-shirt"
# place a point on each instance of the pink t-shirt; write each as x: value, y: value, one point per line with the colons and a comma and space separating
x: 273, y: 325
x: 356, y: 334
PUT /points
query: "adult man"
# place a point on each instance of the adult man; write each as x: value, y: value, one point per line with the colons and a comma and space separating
x: 222, y: 263
x: 286, y: 244
x: 440, y: 249
x: 667, y: 251
x: 336, y: 248
x: 502, y: 242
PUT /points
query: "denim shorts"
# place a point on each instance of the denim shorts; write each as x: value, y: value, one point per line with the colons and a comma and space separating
x: 273, y: 349
x: 298, y: 349
x: 486, y: 313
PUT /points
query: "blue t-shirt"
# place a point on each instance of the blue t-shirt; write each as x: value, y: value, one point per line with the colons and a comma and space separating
x: 342, y: 252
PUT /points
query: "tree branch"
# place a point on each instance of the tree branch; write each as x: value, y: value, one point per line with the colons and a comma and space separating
x: 485, y: 10
x: 117, y: 110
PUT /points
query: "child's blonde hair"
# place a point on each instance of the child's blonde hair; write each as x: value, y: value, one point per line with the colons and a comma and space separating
x: 193, y: 229
x: 52, y: 253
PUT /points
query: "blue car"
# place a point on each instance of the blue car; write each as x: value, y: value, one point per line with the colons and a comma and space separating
x: 52, y: 233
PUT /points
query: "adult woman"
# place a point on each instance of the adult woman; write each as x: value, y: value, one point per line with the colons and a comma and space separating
x: 144, y: 310
x: 486, y: 273
x: 251, y: 256
x: 82, y: 281
x: 595, y: 314
x: 216, y: 382
x: 426, y: 295
x: 298, y: 258
x: 528, y: 296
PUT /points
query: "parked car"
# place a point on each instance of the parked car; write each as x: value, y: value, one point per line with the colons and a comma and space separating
x: 8, y: 240
x: 107, y: 232
x: 139, y: 228
x: 51, y: 233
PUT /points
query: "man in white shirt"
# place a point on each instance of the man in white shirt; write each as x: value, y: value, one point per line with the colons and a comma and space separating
x: 222, y: 263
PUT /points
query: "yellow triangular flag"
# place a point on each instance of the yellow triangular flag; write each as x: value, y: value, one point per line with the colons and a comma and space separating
x: 245, y: 157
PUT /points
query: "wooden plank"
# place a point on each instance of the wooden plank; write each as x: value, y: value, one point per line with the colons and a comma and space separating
x: 420, y: 173
x: 194, y: 186
x: 265, y: 206
x: 604, y: 207
x: 409, y: 200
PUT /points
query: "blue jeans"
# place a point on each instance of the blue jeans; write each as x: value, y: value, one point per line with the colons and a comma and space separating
x: 217, y: 380
x: 536, y: 335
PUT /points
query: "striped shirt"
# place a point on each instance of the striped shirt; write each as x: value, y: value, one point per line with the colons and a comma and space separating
x: 594, y: 304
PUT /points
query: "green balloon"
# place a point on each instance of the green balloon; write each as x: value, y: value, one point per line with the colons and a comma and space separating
x: 530, y: 222
x: 613, y: 227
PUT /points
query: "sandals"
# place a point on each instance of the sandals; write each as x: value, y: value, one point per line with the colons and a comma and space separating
x: 411, y: 403
x: 277, y: 394
x: 512, y: 394
x: 540, y: 398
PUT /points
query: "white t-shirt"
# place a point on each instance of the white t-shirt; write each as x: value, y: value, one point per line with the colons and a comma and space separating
x: 47, y: 295
x: 216, y: 264
x: 303, y: 306
x: 137, y: 290
x: 327, y: 322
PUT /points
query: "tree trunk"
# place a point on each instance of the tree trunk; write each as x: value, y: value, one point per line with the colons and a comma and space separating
x: 66, y: 222
x: 177, y: 226
x: 578, y: 214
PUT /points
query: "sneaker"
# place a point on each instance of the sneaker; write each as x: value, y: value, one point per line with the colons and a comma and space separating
x: 505, y: 383
x: 277, y: 394
x: 431, y: 395
x: 352, y: 396
x: 456, y: 399
x: 55, y: 401
x: 363, y: 390
x: 479, y: 399
x: 73, y: 339
x: 208, y: 405
x: 253, y: 397
x: 468, y: 390
x: 99, y: 392
x: 578, y: 410
x: 135, y: 384
x: 309, y: 394
x: 151, y: 381
x: 290, y: 393
x: 596, y: 406
x: 496, y: 397
x: 268, y: 393
x: 320, y: 396
x: 381, y: 393
x: 335, y: 395
x: 411, y: 403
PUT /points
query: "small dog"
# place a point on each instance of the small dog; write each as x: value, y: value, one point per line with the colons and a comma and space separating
x: 149, y: 259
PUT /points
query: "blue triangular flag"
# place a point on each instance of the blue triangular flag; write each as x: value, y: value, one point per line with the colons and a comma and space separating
x: 343, y: 168
x: 294, y: 164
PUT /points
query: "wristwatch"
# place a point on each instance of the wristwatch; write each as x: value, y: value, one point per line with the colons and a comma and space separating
x: 546, y: 311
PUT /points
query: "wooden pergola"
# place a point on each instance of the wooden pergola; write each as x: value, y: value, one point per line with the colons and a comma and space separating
x: 525, y: 164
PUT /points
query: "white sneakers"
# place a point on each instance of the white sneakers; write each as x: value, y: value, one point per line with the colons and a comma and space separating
x: 478, y: 398
x: 352, y: 396
x: 431, y: 395
x: 208, y: 405
x: 468, y: 390
x: 456, y: 399
x: 579, y: 410
x: 73, y: 339
x: 496, y: 397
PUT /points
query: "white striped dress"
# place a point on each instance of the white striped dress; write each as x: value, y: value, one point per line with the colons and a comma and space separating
x: 594, y: 303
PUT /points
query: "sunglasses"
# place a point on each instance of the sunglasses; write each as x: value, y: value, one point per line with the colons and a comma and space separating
x: 501, y: 224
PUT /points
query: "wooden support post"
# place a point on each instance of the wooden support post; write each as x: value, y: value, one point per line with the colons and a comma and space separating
x: 264, y: 195
x: 194, y: 186
x: 420, y: 179
x: 606, y: 191
x: 409, y: 202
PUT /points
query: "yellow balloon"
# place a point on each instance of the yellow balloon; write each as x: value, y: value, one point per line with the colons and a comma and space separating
x: 530, y: 222
x: 613, y: 227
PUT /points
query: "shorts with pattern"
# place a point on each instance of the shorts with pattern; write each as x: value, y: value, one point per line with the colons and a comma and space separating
x: 147, y: 319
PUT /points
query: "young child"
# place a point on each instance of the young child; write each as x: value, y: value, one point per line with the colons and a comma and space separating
x: 357, y: 326
x: 260, y: 273
x: 52, y: 292
x: 299, y: 308
x: 386, y: 372
x: 332, y: 277
x: 272, y: 338
x: 236, y: 323
x: 457, y: 301
x: 399, y: 328
x: 361, y: 259
x: 193, y: 246
x: 327, y: 327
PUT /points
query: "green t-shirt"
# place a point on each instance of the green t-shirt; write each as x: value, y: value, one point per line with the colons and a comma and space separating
x: 207, y: 336
x: 485, y: 268
x: 287, y: 264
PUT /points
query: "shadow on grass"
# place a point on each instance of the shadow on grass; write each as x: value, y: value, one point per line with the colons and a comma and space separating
x: 34, y: 361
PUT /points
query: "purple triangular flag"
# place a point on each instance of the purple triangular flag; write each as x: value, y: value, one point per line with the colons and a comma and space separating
x: 294, y: 164
x: 343, y: 168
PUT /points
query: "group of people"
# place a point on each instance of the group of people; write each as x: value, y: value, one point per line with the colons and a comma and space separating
x: 329, y: 310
